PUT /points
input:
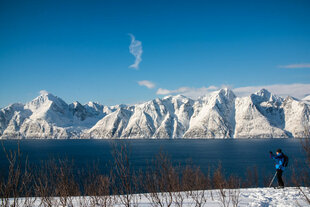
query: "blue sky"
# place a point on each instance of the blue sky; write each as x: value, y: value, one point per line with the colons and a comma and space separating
x: 79, y: 50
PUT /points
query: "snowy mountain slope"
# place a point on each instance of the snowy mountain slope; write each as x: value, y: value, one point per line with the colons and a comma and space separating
x: 51, y: 109
x: 217, y: 115
x: 48, y: 116
x: 111, y: 126
x: 176, y: 119
x: 297, y: 116
x: 213, y: 117
x: 12, y: 116
x: 306, y: 99
x: 259, y: 115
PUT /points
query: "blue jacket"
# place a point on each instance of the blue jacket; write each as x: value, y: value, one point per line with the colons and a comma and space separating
x: 279, y: 159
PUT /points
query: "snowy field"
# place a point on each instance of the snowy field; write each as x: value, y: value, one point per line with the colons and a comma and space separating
x: 244, y: 197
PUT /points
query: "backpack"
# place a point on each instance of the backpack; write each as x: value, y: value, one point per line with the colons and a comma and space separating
x: 285, y: 162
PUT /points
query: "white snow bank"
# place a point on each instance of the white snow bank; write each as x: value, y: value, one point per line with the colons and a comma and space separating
x: 247, y: 197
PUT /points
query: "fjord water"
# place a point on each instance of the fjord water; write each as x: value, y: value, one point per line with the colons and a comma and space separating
x: 235, y: 155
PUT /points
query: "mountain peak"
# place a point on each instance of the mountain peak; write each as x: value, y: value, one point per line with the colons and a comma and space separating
x: 47, y: 95
x: 77, y: 107
x: 307, y: 98
x: 224, y: 92
x: 76, y: 104
x: 167, y: 97
x: 45, y: 100
x: 44, y: 93
x: 291, y: 98
x: 179, y: 96
x: 264, y: 93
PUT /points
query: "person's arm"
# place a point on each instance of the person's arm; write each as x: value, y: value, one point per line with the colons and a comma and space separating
x: 281, y: 161
x: 275, y: 157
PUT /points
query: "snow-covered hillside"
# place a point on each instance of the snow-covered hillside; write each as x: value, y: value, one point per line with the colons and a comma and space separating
x: 217, y: 115
x: 255, y: 197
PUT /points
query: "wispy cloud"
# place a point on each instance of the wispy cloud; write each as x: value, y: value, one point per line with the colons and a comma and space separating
x: 188, y: 91
x: 297, y: 90
x: 135, y: 48
x: 146, y: 83
x: 295, y: 66
x: 162, y: 91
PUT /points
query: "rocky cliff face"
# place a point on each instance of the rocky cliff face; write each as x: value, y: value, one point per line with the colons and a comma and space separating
x: 217, y: 115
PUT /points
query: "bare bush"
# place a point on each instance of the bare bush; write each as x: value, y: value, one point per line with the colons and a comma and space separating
x: 98, y: 187
x: 66, y: 186
x: 224, y: 197
x: 43, y: 183
x: 306, y: 194
x: 306, y: 147
x: 251, y: 180
x: 305, y: 174
x: 194, y: 184
x: 27, y: 183
x: 234, y: 184
x: 16, y: 183
x: 56, y: 178
x: 83, y: 201
x: 162, y: 181
x: 177, y: 185
x: 91, y: 183
x: 125, y: 177
x: 105, y: 185
x: 219, y: 182
x: 152, y: 187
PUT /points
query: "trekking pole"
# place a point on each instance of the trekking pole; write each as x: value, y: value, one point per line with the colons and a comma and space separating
x: 273, y: 179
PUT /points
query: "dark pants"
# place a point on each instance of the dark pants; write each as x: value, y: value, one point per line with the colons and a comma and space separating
x: 279, y: 177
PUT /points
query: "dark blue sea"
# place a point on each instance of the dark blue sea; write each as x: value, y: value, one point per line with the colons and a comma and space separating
x: 235, y: 155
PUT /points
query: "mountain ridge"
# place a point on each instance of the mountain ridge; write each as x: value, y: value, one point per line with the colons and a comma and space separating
x: 220, y: 114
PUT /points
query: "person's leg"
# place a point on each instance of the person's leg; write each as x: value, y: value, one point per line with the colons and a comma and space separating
x: 279, y: 177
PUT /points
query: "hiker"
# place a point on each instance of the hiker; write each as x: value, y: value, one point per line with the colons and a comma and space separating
x: 281, y: 162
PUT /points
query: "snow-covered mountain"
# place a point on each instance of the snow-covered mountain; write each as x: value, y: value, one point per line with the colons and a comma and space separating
x: 217, y: 115
x: 307, y: 99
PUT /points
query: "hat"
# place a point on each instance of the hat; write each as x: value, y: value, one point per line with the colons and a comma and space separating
x: 279, y: 150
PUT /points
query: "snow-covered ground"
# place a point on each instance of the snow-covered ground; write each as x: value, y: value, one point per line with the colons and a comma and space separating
x: 247, y: 197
